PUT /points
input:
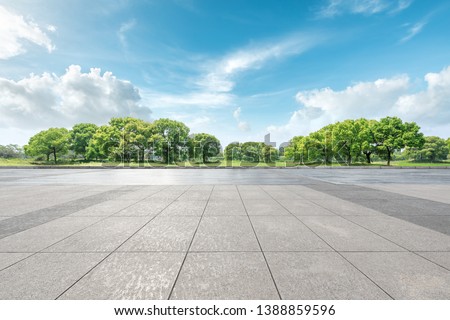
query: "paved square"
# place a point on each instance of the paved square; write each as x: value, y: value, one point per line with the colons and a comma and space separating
x: 225, y: 234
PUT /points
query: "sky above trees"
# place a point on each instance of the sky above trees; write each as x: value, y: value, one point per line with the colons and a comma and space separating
x: 236, y: 69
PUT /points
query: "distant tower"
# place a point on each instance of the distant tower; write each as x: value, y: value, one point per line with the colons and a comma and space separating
x: 268, y: 142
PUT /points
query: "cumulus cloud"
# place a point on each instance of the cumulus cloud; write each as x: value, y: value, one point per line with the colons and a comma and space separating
x: 14, y: 29
x: 242, y: 125
x: 40, y: 101
x: 365, y: 7
x: 377, y: 99
x: 430, y: 106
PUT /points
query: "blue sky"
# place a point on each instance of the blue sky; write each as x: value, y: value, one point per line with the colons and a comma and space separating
x: 236, y: 69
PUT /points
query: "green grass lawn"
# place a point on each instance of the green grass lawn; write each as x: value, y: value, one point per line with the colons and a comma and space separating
x: 420, y: 164
x: 15, y: 162
x: 222, y: 163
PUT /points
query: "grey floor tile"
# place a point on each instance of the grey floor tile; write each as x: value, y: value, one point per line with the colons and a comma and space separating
x: 436, y: 192
x: 425, y: 207
x: 138, y: 195
x: 104, y: 236
x: 309, y: 194
x: 410, y: 207
x: 345, y: 208
x: 305, y: 208
x: 106, y: 208
x: 286, y: 233
x: 280, y: 193
x: 254, y: 195
x: 166, y: 195
x: 228, y: 195
x: 319, y: 275
x: 163, y: 234
x: 51, y: 212
x: 441, y: 258
x: 252, y: 192
x: 45, y: 275
x: 225, y: 275
x: 404, y: 275
x: 195, y: 195
x: 224, y: 187
x: 202, y: 187
x: 7, y: 259
x: 185, y: 208
x: 438, y: 223
x: 225, y: 233
x: 144, y: 208
x: 225, y: 208
x: 42, y: 236
x: 131, y: 276
x: 343, y: 235
x: 264, y: 207
x: 405, y: 234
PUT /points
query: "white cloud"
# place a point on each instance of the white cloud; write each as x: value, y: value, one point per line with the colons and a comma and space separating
x: 242, y: 125
x: 383, y: 97
x: 193, y: 99
x: 402, y: 5
x: 362, y: 98
x: 237, y: 113
x: 220, y: 74
x: 365, y: 7
x: 213, y: 87
x: 430, y: 106
x: 51, y: 100
x: 14, y: 29
x: 413, y: 31
x: 51, y: 28
x: 199, y: 121
x: 196, y: 121
x: 124, y: 28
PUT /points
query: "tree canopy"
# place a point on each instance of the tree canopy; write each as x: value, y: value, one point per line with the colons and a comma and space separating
x: 168, y: 141
x: 11, y: 151
x: 80, y: 136
x: 52, y: 141
x: 250, y: 152
x: 434, y: 149
x: 392, y: 134
x: 350, y: 141
x: 204, y: 145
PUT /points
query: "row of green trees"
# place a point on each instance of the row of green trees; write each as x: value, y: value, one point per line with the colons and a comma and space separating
x: 11, y: 151
x: 125, y: 139
x: 358, y: 140
x: 168, y: 141
x: 250, y: 152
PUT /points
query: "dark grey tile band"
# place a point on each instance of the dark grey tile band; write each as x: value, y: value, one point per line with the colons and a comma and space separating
x: 426, y: 213
x: 34, y: 218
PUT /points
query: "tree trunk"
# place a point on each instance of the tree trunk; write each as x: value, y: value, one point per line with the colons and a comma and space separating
x: 368, y: 157
x: 54, y: 154
x: 388, y: 156
x: 48, y: 157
